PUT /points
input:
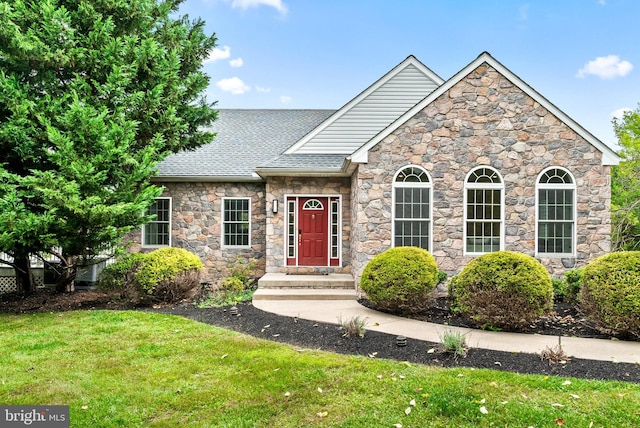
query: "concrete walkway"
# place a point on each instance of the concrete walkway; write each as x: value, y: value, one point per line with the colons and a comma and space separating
x: 330, y: 311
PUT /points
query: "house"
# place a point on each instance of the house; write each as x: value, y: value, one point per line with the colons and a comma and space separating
x: 477, y: 163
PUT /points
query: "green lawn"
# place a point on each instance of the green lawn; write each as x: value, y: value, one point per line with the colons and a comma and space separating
x: 130, y: 369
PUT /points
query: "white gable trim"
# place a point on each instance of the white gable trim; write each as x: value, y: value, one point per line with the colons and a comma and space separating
x: 609, y: 156
x: 410, y: 60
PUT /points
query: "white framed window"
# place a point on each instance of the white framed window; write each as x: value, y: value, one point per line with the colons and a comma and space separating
x: 412, y: 208
x: 484, y: 211
x: 157, y: 233
x: 291, y: 228
x: 334, y: 227
x: 556, y: 208
x: 236, y: 222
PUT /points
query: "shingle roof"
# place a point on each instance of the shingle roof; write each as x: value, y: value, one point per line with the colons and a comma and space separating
x: 301, y: 160
x: 245, y: 139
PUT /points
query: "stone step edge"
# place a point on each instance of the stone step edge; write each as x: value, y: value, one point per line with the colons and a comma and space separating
x: 292, y: 286
x: 304, y: 294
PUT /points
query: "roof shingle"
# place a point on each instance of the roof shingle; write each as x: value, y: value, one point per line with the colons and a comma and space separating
x: 245, y: 139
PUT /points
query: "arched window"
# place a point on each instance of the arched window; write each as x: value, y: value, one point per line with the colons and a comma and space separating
x: 313, y: 204
x: 484, y: 192
x: 555, y: 223
x: 412, y: 208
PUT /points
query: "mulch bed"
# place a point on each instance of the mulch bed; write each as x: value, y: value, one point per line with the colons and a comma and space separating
x: 328, y: 337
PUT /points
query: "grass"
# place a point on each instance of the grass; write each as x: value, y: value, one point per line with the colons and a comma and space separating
x: 135, y: 369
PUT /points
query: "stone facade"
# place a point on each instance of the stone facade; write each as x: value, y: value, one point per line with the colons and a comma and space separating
x: 196, y: 224
x: 482, y: 120
x: 279, y: 187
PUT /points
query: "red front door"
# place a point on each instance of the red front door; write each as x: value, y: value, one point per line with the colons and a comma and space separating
x: 313, y: 237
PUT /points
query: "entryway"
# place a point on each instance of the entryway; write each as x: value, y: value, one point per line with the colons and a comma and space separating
x: 313, y: 231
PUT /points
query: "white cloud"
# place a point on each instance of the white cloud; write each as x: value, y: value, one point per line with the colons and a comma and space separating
x: 263, y: 90
x: 238, y: 62
x: 246, y: 4
x: 284, y: 99
x: 524, y: 12
x: 215, y: 54
x: 618, y: 114
x: 233, y: 85
x: 606, y: 67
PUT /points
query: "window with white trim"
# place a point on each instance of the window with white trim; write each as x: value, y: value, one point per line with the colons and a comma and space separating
x: 483, y: 211
x: 335, y: 231
x: 291, y: 228
x: 236, y: 222
x: 157, y: 232
x: 556, y: 213
x: 412, y: 208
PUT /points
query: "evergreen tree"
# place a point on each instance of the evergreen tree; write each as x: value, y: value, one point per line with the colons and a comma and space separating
x: 625, y: 184
x: 93, y: 94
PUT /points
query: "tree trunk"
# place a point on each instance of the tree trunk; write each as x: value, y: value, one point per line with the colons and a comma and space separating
x: 66, y: 281
x: 25, y: 280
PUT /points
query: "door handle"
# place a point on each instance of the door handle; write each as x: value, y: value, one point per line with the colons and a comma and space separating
x: 299, y: 236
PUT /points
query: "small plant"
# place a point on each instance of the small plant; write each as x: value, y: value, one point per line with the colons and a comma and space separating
x: 236, y: 288
x: 442, y: 277
x: 559, y: 289
x: 220, y: 299
x: 555, y: 355
x: 232, y: 284
x: 242, y: 270
x: 454, y: 342
x: 573, y: 280
x: 353, y: 327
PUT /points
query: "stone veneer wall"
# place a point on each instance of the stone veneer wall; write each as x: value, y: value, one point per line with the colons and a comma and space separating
x: 482, y: 120
x: 277, y: 188
x: 196, y: 224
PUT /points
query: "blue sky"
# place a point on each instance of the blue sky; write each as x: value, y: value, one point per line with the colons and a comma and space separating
x: 582, y: 55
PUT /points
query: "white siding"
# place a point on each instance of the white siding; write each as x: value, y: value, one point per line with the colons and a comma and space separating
x: 372, y: 114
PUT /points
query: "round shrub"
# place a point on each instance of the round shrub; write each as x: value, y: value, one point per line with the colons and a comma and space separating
x: 169, y: 274
x: 503, y: 289
x: 401, y: 279
x: 611, y: 292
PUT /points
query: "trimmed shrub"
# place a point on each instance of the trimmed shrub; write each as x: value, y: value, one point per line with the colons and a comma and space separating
x: 169, y: 274
x: 166, y: 274
x: 611, y: 293
x: 401, y: 279
x: 503, y: 289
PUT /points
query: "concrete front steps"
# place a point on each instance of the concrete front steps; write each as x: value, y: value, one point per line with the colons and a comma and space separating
x: 280, y: 286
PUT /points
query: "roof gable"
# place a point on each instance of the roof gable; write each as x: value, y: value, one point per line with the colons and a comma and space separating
x: 609, y: 156
x: 371, y: 111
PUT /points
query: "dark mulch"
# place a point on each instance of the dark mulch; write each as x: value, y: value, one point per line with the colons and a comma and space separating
x: 310, y: 334
x: 328, y: 337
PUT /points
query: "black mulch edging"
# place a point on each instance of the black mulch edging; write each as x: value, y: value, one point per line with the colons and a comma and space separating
x: 328, y: 337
